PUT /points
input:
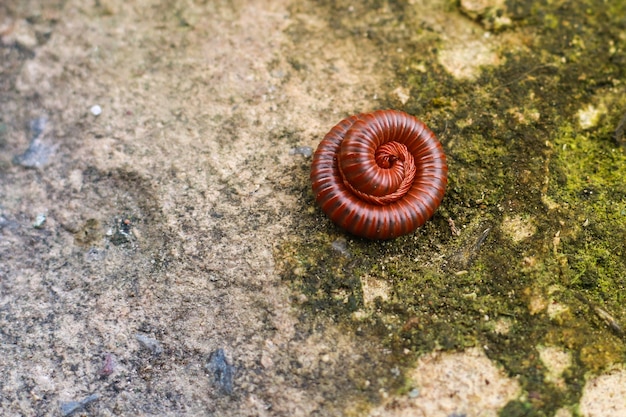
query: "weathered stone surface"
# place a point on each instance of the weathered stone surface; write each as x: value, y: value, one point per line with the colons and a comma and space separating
x: 180, y: 208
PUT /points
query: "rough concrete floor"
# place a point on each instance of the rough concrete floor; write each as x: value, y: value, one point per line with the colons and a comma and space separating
x: 146, y: 173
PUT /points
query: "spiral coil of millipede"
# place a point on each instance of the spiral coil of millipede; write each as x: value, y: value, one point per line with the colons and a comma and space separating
x: 379, y: 175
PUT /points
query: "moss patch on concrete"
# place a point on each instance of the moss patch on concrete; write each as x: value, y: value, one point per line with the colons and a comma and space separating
x: 527, y: 249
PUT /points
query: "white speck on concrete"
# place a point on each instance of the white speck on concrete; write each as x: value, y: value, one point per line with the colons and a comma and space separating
x: 39, y: 221
x: 589, y: 116
x: 96, y: 110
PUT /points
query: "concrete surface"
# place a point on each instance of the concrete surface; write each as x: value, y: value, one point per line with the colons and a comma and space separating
x: 138, y: 238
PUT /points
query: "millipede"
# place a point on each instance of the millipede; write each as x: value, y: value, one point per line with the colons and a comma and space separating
x: 379, y: 175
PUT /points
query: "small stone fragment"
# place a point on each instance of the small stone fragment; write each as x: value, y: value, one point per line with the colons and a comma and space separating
x: 96, y: 110
x: 222, y: 371
x: 149, y: 343
x: 38, y: 151
x: 39, y: 221
x: 70, y: 407
x: 35, y: 156
x: 305, y: 151
x: 108, y: 367
x: 90, y: 399
x: 121, y: 234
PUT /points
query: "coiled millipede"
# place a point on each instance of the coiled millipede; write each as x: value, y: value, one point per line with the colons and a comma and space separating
x: 379, y: 175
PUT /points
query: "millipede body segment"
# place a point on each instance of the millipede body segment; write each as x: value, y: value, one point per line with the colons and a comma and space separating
x: 379, y: 175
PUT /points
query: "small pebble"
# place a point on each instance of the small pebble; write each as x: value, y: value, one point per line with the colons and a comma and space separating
x: 36, y: 156
x: 70, y: 407
x: 149, y: 343
x: 39, y: 151
x: 108, y: 367
x: 96, y: 110
x: 39, y: 221
x: 305, y: 151
x: 121, y: 234
x: 222, y: 371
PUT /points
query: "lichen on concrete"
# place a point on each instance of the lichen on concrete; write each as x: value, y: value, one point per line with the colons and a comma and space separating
x: 536, y: 188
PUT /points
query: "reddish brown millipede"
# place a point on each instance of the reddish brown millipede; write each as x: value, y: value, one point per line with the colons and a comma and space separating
x: 379, y: 175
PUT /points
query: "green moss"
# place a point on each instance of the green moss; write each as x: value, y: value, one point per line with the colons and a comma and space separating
x: 540, y: 201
